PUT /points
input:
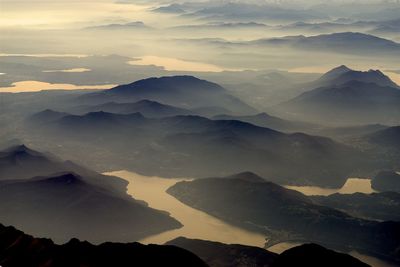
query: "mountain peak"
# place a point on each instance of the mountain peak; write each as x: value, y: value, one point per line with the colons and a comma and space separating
x: 21, y: 150
x: 171, y: 83
x: 67, y: 178
x: 335, y: 72
x: 247, y: 176
x: 343, y: 74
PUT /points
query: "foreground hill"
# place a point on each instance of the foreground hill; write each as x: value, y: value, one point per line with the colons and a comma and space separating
x: 63, y: 206
x: 286, y: 215
x: 195, y: 146
x: 180, y: 91
x: 347, y: 96
x: 222, y: 255
x: 18, y: 249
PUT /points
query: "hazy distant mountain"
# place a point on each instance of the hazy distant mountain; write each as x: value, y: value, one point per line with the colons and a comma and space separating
x: 344, y: 42
x: 268, y: 121
x: 46, y: 116
x: 348, y: 96
x: 223, y: 255
x: 172, y: 8
x: 286, y: 215
x: 196, y: 147
x: 386, y: 181
x: 135, y: 25
x: 65, y: 205
x: 221, y: 26
x: 19, y: 249
x: 377, y: 206
x: 146, y: 107
x: 181, y: 91
x: 243, y: 11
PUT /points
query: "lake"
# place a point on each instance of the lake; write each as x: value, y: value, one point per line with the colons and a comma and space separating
x: 352, y: 185
x: 200, y: 225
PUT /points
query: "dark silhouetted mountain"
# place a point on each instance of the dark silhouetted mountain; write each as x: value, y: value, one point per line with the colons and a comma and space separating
x: 63, y: 206
x: 386, y: 181
x: 21, y: 162
x: 194, y: 146
x: 376, y: 206
x: 312, y: 255
x: 268, y: 121
x: 181, y: 91
x: 18, y: 249
x: 287, y: 215
x: 350, y: 97
x: 222, y: 255
x: 146, y: 107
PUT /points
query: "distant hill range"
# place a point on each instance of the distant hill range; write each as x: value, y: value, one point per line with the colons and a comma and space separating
x: 195, y: 146
x: 345, y: 96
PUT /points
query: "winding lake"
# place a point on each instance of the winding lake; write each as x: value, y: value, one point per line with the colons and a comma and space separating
x: 197, y: 224
x: 200, y: 225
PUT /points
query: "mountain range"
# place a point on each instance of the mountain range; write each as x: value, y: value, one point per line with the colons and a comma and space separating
x: 198, y: 147
x: 63, y: 204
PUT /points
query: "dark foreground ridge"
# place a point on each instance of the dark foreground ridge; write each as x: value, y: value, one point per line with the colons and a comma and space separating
x: 18, y: 249
x: 222, y: 255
